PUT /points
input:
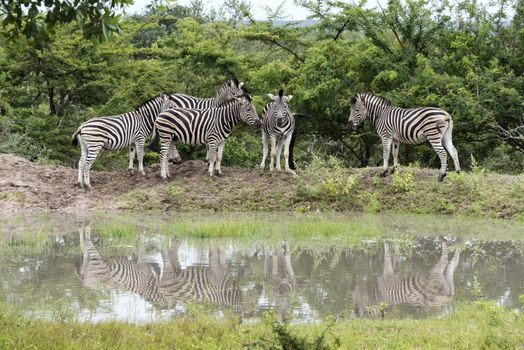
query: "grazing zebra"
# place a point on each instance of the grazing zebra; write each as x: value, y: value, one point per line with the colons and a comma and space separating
x: 228, y: 90
x: 411, y: 126
x: 435, y: 288
x: 278, y: 125
x: 210, y: 126
x: 116, y: 132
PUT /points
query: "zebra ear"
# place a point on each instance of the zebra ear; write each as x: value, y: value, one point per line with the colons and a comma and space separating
x: 289, y: 97
x: 241, y: 84
x: 271, y: 96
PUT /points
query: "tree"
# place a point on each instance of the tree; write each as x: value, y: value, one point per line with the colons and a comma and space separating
x: 37, y: 19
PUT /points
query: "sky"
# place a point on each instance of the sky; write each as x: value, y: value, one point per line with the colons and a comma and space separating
x: 291, y: 11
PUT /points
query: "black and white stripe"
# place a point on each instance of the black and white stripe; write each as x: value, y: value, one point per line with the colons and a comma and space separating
x: 116, y: 132
x: 412, y: 126
x: 434, y: 288
x: 210, y: 126
x: 227, y: 91
x: 278, y: 125
x: 158, y: 277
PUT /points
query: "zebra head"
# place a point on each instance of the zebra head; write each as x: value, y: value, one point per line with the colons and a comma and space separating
x: 248, y: 113
x: 166, y: 102
x: 229, y: 90
x: 279, y: 108
x: 358, y: 112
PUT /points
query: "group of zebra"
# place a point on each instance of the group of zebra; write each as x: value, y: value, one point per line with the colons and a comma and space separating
x: 187, y: 119
x: 174, y: 117
x: 156, y: 274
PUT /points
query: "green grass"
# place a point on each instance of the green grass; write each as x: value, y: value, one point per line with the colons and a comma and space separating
x: 473, y: 326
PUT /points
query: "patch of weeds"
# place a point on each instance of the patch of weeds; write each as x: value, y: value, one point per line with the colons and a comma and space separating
x: 477, y: 289
x: 282, y: 337
x: 403, y: 181
x: 377, y: 310
x: 146, y: 198
x: 372, y: 202
x: 174, y: 190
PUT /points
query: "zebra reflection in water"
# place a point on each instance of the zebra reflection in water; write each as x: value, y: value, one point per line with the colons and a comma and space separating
x: 432, y: 289
x: 279, y: 273
x: 159, y: 279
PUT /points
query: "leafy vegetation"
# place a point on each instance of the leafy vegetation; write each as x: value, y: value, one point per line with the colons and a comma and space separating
x: 463, y: 56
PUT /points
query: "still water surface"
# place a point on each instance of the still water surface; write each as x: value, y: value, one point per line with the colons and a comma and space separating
x: 78, y: 273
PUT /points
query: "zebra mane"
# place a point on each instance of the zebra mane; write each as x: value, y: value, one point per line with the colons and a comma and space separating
x: 367, y: 95
x: 148, y: 101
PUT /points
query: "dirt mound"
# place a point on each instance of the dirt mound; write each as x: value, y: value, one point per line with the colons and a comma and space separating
x: 29, y: 186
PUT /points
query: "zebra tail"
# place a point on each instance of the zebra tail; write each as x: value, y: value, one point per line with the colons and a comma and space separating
x: 74, y: 140
x: 155, y: 142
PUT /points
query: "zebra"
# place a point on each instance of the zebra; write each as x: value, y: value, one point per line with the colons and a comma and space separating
x: 411, y: 126
x: 159, y: 279
x: 139, y: 274
x: 280, y: 275
x: 227, y: 91
x: 211, y: 126
x: 435, y: 288
x: 278, y: 125
x: 116, y: 132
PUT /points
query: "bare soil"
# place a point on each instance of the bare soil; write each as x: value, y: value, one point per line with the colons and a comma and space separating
x: 27, y: 186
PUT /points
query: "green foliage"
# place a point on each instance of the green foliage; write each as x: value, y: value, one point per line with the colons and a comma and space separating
x: 37, y: 19
x: 464, y: 57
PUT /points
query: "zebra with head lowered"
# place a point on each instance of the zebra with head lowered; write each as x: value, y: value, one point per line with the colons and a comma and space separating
x: 278, y: 125
x: 412, y: 126
x: 116, y: 132
x: 211, y: 126
x: 227, y: 91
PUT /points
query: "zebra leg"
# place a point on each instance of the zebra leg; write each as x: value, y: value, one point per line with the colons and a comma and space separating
x: 280, y: 144
x: 132, y: 148
x: 265, y: 149
x: 83, y: 150
x: 174, y: 156
x: 220, y: 151
x: 92, y: 153
x: 439, y: 149
x: 396, y: 145
x: 287, y: 142
x: 164, y: 162
x: 273, y: 152
x: 447, y: 140
x: 140, y: 156
x: 212, y: 158
x: 386, y: 144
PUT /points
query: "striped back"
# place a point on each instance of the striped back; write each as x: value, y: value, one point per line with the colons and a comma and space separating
x: 227, y: 91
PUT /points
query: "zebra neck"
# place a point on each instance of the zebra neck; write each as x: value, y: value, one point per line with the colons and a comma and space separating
x: 377, y: 113
x: 229, y: 116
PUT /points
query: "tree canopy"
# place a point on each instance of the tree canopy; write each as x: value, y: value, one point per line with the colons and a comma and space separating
x: 463, y: 57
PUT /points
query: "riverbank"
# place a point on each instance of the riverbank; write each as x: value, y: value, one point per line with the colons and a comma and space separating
x: 472, y: 326
x: 30, y: 187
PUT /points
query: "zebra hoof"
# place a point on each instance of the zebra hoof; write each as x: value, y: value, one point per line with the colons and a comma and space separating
x: 441, y: 177
x: 384, y: 173
x: 176, y: 160
x: 459, y: 171
x: 130, y: 172
x: 143, y: 173
x: 392, y: 171
x: 218, y: 173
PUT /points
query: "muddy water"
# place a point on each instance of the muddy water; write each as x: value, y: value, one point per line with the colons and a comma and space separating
x: 77, y: 273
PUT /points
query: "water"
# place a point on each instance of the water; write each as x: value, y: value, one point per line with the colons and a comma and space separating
x: 78, y: 273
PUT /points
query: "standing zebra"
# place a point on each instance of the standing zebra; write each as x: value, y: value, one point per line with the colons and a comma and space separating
x: 211, y: 126
x: 116, y: 132
x: 228, y: 90
x: 278, y: 125
x: 411, y: 126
